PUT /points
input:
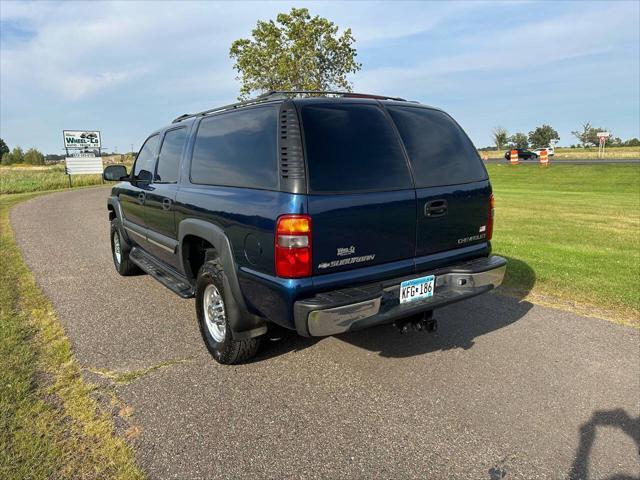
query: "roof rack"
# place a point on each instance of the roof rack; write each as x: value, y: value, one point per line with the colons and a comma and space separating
x: 278, y: 94
x: 251, y: 101
x: 271, y: 93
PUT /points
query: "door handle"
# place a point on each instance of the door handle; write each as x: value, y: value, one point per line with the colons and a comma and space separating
x: 435, y: 208
x: 141, y: 198
x: 166, y: 204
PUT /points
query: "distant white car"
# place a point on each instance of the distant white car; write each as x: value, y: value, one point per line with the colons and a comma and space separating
x: 550, y: 151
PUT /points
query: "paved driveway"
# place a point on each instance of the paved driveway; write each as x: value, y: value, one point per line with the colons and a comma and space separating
x: 504, y: 389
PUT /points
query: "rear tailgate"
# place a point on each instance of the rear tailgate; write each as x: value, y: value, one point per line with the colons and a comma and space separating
x: 463, y: 221
x: 452, y: 185
x: 362, y: 200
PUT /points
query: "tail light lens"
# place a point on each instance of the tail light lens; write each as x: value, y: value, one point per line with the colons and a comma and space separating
x: 293, y: 246
x: 492, y: 209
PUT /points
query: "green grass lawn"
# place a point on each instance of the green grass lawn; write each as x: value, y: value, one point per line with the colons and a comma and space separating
x: 35, y: 179
x: 572, y: 233
x: 50, y: 425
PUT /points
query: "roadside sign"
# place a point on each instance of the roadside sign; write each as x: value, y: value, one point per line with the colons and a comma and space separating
x: 83, y: 166
x: 81, y: 138
x: 602, y: 139
x: 81, y: 147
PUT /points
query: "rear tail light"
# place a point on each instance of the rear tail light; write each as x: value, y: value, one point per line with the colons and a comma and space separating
x: 492, y: 209
x: 293, y: 246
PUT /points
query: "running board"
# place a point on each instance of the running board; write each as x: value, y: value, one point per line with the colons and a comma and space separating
x: 174, y: 282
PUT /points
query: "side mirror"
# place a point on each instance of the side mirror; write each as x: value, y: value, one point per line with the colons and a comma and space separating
x: 115, y: 173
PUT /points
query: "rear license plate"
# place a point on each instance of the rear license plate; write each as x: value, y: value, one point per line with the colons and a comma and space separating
x: 417, y: 289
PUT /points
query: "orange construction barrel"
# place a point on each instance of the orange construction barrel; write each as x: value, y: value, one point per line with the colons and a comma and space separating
x: 544, y: 158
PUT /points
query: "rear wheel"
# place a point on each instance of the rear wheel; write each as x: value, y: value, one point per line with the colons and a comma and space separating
x: 120, y: 252
x: 212, y: 312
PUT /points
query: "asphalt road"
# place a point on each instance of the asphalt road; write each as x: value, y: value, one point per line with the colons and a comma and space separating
x: 576, y: 161
x: 503, y: 390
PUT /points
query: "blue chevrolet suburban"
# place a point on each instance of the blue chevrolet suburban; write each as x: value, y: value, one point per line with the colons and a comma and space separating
x: 322, y: 212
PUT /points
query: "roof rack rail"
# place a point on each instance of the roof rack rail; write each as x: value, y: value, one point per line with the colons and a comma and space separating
x: 275, y: 94
x: 251, y: 101
x: 271, y: 93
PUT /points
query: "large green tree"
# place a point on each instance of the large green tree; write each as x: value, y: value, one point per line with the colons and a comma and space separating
x: 500, y: 137
x: 295, y: 52
x: 542, y: 136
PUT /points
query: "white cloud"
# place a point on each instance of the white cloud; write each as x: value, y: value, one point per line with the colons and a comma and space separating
x: 520, y: 49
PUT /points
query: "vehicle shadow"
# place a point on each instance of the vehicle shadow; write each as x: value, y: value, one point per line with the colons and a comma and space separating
x: 459, y: 324
x: 604, y: 418
x: 279, y: 341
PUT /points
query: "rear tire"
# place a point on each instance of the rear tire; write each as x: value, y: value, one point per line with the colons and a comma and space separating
x: 120, y: 252
x: 213, y: 319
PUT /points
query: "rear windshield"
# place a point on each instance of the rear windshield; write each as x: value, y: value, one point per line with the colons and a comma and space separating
x: 439, y: 151
x: 352, y: 148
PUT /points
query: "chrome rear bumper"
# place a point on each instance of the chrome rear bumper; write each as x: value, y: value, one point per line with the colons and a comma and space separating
x: 350, y: 309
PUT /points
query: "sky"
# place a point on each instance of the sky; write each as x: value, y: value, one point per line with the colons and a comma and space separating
x: 128, y: 68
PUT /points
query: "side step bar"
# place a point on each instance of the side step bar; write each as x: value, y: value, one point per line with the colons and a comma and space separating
x: 170, y: 279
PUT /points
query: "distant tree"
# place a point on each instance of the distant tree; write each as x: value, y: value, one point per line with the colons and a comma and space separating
x: 632, y: 142
x: 592, y: 135
x: 543, y: 136
x: 582, y: 135
x: 34, y: 157
x: 588, y: 136
x: 500, y: 137
x: 3, y: 148
x: 296, y: 52
x: 15, y: 156
x: 518, y: 140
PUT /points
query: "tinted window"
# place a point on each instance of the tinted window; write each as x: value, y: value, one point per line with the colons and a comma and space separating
x: 145, y: 161
x: 352, y: 148
x: 440, y: 152
x: 237, y: 149
x: 170, y: 154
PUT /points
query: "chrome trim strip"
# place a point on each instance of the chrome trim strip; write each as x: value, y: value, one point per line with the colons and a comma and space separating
x: 472, y: 280
x: 131, y: 230
x: 339, y: 319
x: 158, y: 244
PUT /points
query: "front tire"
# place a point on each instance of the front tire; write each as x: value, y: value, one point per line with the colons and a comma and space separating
x: 120, y: 252
x: 212, y: 312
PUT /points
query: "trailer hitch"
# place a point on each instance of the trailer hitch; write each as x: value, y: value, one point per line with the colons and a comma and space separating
x: 422, y: 322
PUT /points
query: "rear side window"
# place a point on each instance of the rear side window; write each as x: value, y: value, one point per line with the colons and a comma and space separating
x: 352, y: 148
x: 170, y: 154
x: 439, y: 151
x: 237, y: 149
x: 145, y: 161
